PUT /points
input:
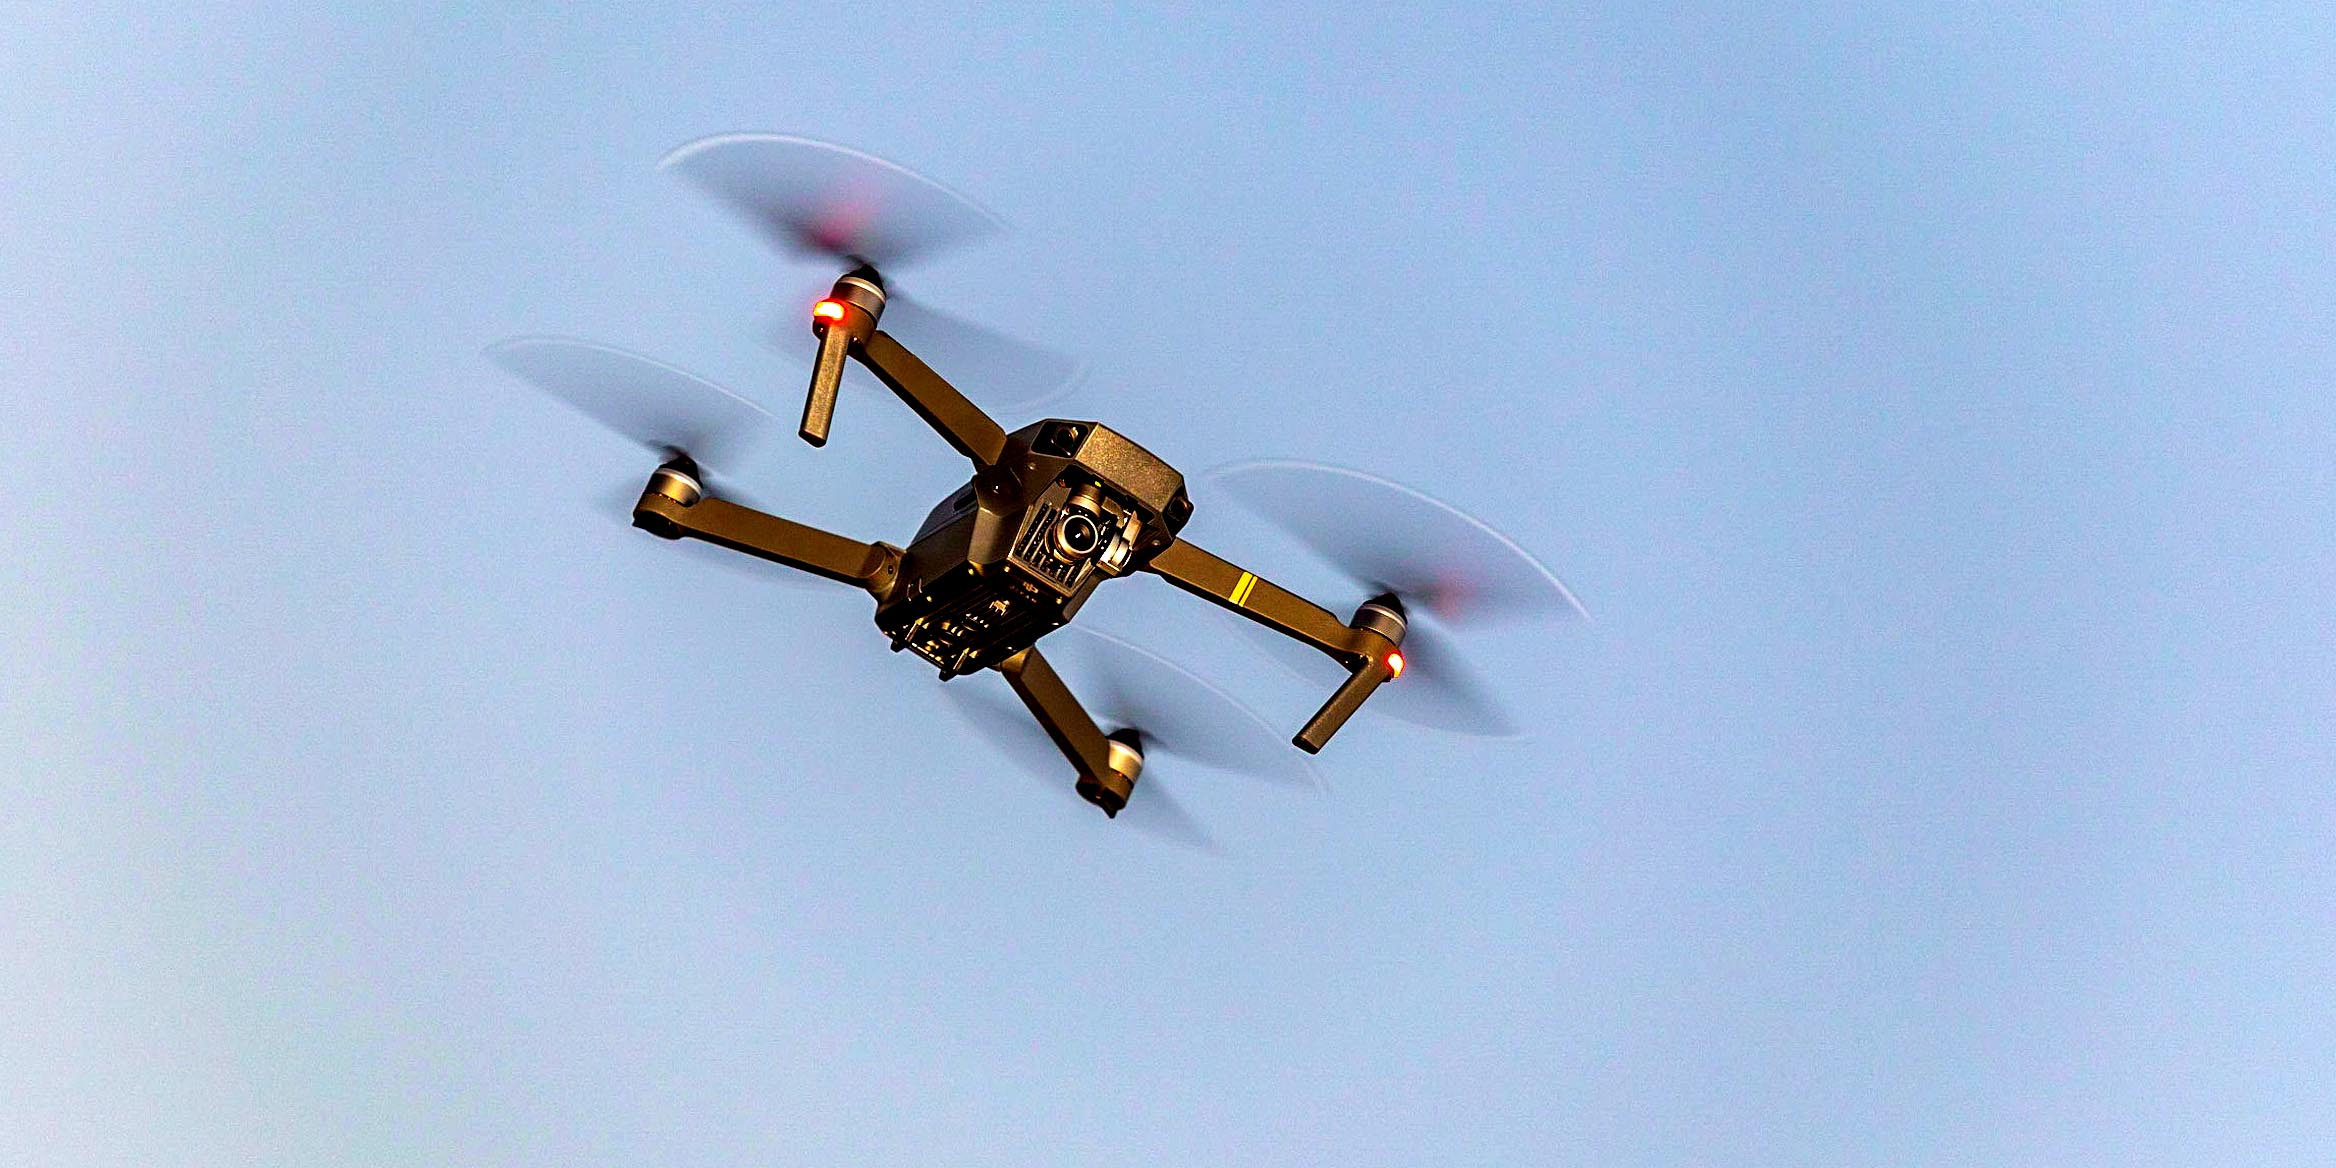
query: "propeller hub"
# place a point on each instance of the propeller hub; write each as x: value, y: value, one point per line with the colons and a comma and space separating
x: 1110, y: 791
x: 679, y: 481
x: 862, y: 288
x: 1382, y: 615
x: 1126, y: 752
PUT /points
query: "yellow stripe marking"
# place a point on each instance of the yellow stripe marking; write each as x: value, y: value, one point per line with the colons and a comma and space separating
x: 1241, y: 590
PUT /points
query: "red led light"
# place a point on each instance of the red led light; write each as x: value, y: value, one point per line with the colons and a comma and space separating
x: 1394, y: 665
x: 828, y: 310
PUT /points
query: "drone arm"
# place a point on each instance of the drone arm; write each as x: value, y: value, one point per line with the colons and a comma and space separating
x: 873, y: 566
x: 1245, y: 593
x: 1369, y: 657
x: 958, y: 421
x: 1058, y: 712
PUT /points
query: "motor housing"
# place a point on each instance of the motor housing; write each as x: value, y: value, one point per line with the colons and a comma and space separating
x: 1111, y: 791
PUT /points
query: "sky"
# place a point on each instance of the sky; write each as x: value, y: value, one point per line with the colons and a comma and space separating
x: 1930, y: 404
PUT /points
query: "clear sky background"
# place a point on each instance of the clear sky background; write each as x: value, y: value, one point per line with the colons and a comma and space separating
x: 1933, y: 407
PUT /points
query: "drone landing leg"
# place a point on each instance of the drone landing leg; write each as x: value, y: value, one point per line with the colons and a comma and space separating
x: 873, y: 566
x: 1074, y: 733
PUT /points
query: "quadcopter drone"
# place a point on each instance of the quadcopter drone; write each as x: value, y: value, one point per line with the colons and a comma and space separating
x: 1051, y: 511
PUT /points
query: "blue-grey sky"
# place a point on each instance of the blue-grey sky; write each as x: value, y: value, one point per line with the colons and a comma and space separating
x: 1931, y: 405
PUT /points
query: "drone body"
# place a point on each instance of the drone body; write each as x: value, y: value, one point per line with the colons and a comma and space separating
x: 1013, y: 554
x: 1010, y: 556
x: 1050, y: 512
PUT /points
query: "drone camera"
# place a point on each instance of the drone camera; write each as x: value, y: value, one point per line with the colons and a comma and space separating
x: 1076, y: 535
x: 1079, y: 531
x: 1075, y: 528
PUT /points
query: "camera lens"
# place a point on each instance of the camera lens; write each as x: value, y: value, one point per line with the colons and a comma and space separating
x: 1076, y: 536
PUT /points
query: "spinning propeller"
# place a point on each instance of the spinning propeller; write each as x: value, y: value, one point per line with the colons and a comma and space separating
x: 1183, y: 724
x: 672, y: 413
x: 656, y: 405
x: 1444, y: 565
x: 823, y: 203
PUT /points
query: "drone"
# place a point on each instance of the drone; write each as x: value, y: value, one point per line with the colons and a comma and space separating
x: 1050, y: 512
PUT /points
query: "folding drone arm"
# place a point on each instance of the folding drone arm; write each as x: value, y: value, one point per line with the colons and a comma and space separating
x: 845, y: 323
x: 674, y: 505
x: 1107, y: 765
x: 1367, y: 647
x: 960, y: 422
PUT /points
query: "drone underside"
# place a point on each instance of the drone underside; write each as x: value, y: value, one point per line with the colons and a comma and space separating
x: 1050, y: 512
x: 1012, y: 555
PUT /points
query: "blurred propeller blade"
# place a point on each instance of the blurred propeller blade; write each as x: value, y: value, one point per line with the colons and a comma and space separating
x: 1448, y: 567
x: 819, y: 200
x: 1388, y: 536
x: 996, y: 371
x: 663, y: 409
x: 1161, y: 813
x: 991, y: 711
x: 646, y: 400
x: 1438, y: 689
x: 990, y: 367
x: 1182, y: 717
